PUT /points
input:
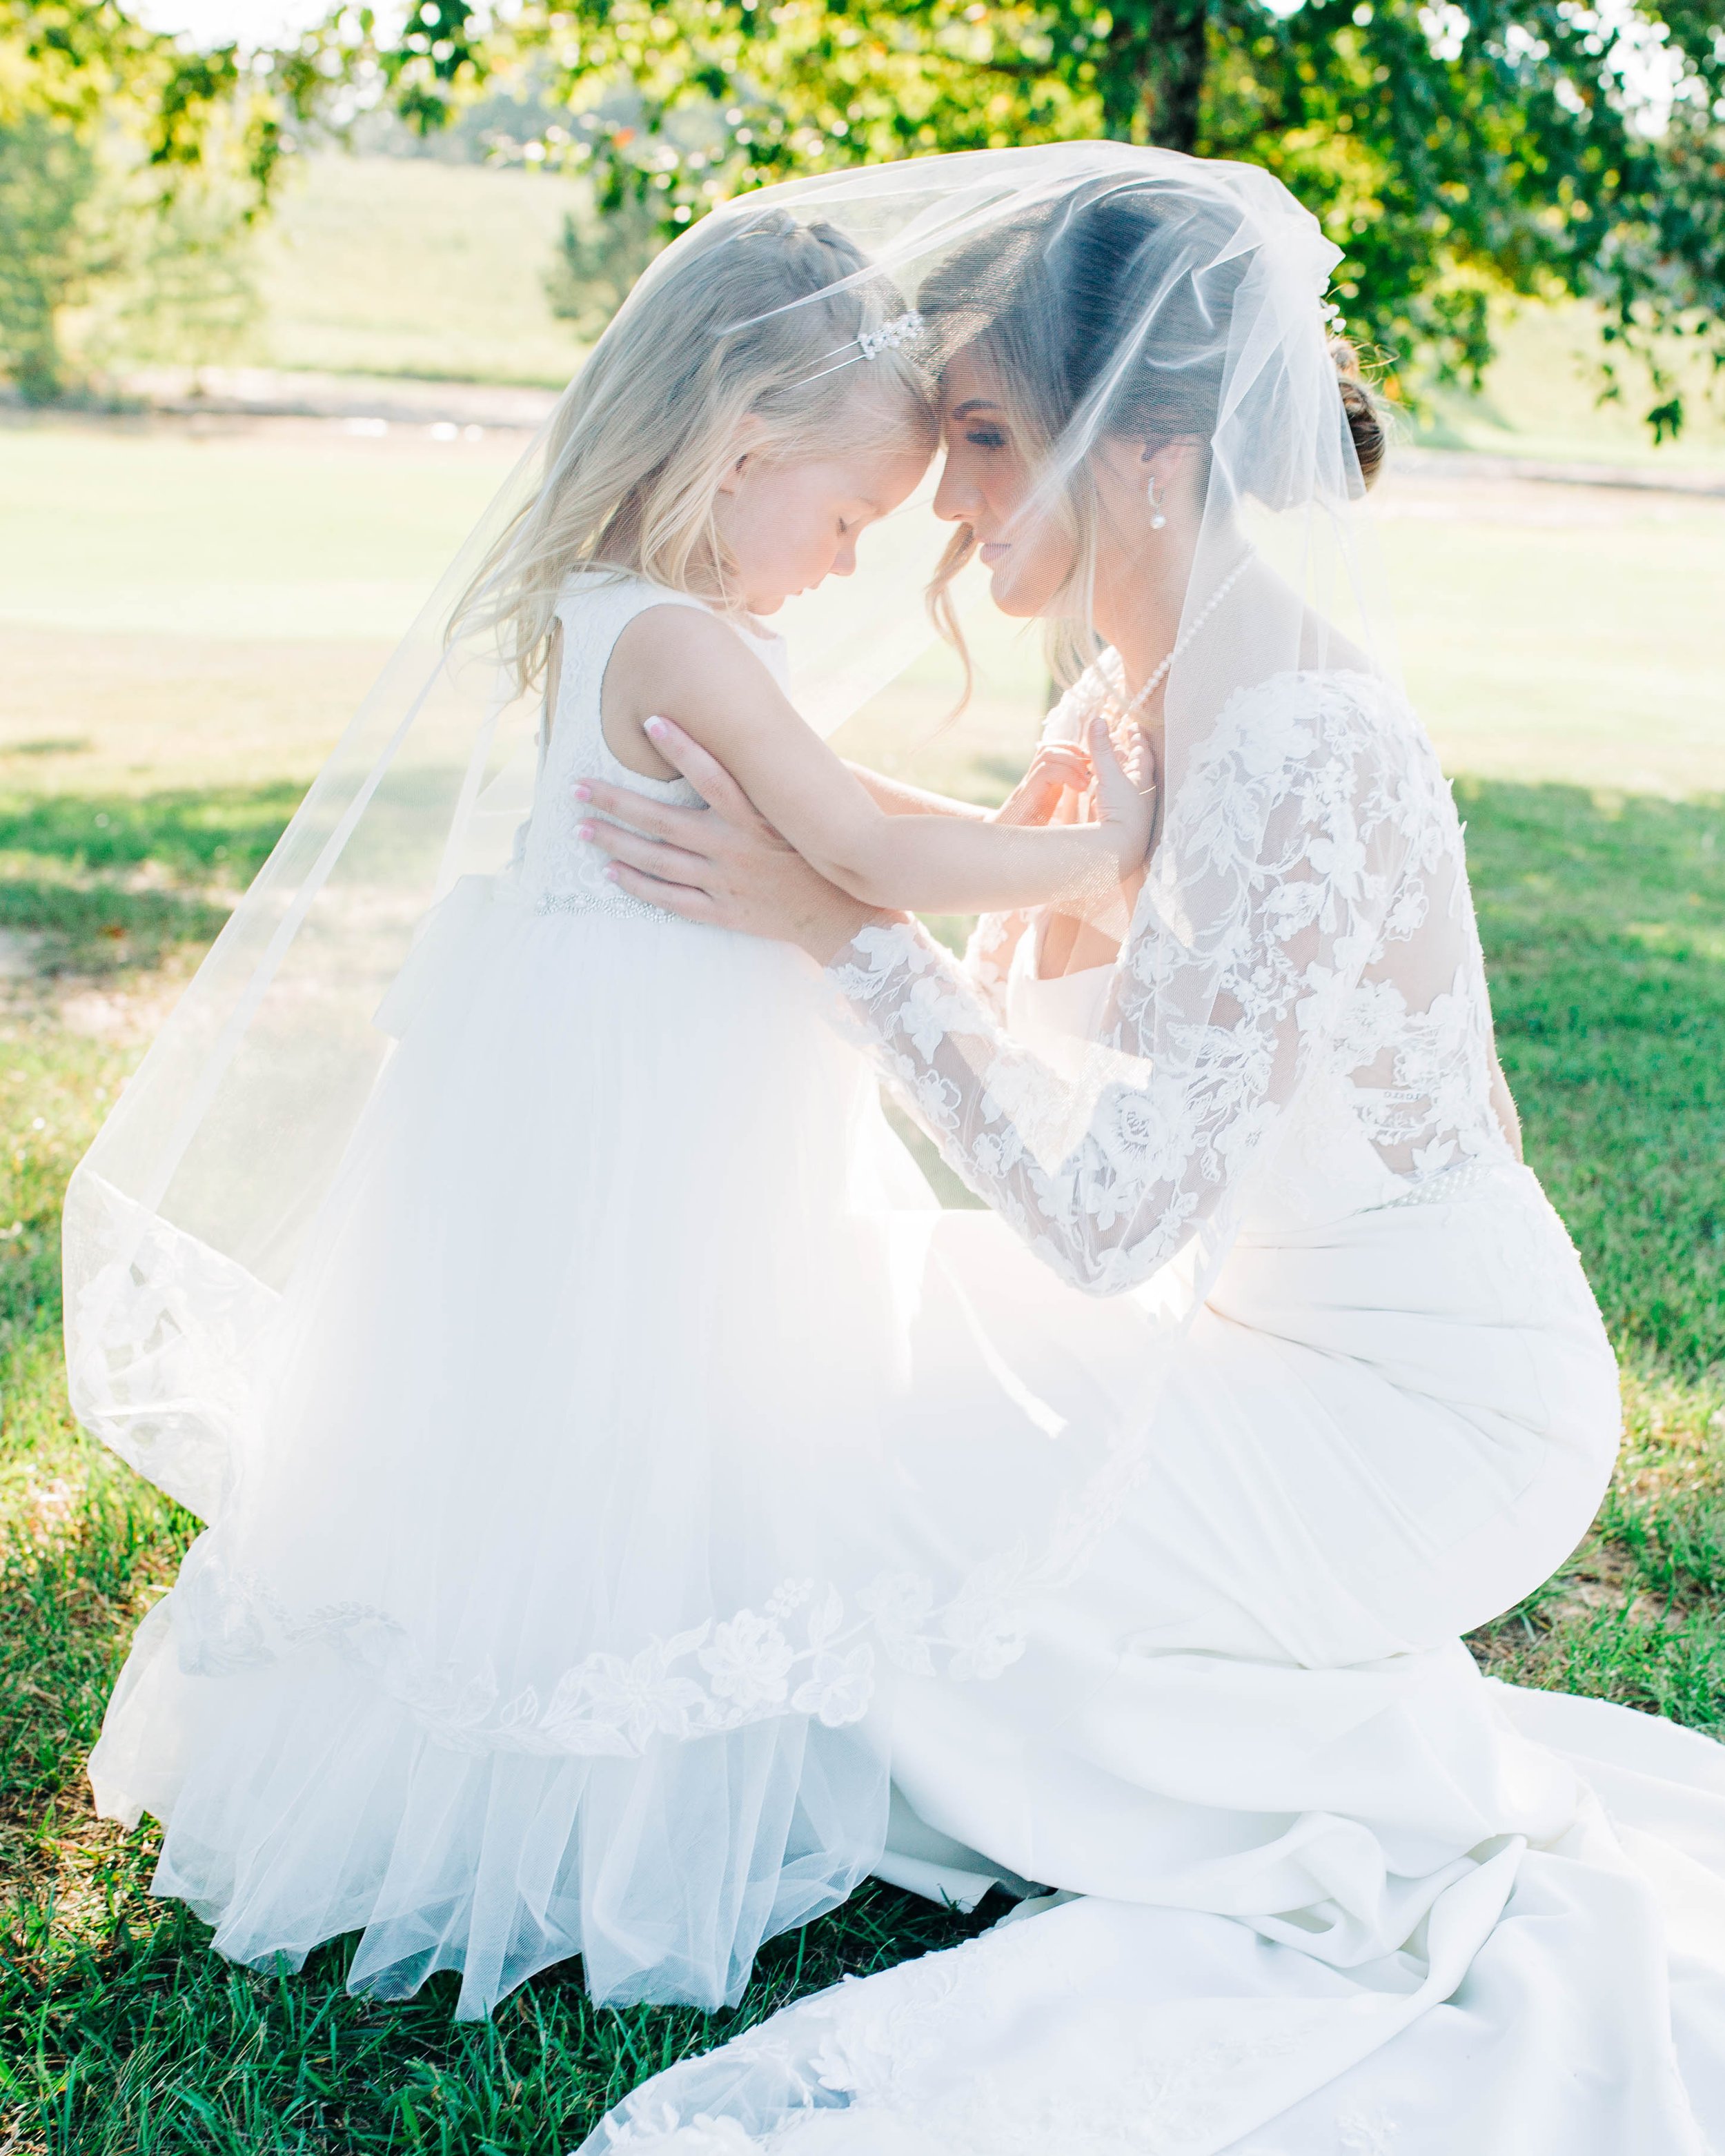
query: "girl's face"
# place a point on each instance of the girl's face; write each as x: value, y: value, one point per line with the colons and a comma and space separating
x: 788, y: 526
x: 986, y: 481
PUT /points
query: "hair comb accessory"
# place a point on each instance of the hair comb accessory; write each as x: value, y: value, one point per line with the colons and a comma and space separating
x: 890, y: 335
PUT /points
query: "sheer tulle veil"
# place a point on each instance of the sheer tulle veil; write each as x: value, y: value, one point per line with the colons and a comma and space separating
x: 700, y: 1747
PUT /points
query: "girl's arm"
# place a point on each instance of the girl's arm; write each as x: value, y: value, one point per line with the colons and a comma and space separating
x: 673, y: 660
x: 1056, y: 768
x: 893, y: 798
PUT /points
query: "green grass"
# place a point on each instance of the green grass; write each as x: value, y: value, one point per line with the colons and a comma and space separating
x: 408, y: 266
x: 213, y: 608
x: 1604, y: 917
x: 1542, y: 399
x: 102, y: 884
x: 290, y: 533
x: 120, y: 2034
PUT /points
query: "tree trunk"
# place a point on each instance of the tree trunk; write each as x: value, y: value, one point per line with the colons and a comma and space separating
x: 1153, y: 88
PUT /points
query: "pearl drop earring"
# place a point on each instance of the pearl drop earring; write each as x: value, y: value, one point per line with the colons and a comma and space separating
x: 1157, y: 520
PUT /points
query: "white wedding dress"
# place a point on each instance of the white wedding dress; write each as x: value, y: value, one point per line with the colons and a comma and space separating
x: 1326, y: 1890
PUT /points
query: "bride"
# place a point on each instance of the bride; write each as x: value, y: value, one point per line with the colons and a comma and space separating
x: 1114, y: 1540
x: 1322, y: 1887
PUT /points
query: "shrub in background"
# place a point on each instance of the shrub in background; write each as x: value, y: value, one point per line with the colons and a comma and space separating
x: 132, y: 172
x: 599, y: 258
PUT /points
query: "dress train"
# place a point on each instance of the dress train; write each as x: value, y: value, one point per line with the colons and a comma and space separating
x: 1559, y: 1992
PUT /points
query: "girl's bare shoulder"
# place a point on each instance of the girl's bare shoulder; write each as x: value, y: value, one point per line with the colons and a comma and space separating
x: 680, y: 657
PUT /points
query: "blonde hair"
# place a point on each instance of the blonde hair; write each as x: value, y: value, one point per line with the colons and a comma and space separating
x: 746, y: 318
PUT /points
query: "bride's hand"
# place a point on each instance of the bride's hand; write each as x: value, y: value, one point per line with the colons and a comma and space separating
x: 725, y: 864
x: 1124, y: 795
x: 1058, y: 769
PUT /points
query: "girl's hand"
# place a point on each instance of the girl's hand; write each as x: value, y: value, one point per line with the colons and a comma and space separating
x: 725, y: 864
x: 1057, y: 769
x: 1124, y: 795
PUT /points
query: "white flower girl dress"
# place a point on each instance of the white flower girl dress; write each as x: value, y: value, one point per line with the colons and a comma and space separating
x: 598, y: 1296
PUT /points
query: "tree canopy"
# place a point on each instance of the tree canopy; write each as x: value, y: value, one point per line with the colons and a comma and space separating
x: 129, y: 165
x: 1452, y: 148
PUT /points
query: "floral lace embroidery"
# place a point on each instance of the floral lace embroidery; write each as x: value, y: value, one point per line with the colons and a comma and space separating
x: 988, y: 954
x: 1307, y: 913
x: 797, y: 1655
x: 556, y: 871
x: 165, y: 1327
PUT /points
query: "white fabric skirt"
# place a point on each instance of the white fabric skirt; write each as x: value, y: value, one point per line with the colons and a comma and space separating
x: 596, y: 1282
x: 1326, y: 1890
x: 1563, y: 2001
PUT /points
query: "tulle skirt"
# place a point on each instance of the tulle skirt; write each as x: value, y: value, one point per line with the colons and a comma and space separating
x: 598, y: 1297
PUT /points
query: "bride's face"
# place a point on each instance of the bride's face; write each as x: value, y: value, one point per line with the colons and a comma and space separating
x: 986, y: 482
x: 788, y: 526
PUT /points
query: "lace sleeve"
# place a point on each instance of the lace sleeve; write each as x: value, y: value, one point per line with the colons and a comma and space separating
x: 1282, y: 882
x: 989, y: 955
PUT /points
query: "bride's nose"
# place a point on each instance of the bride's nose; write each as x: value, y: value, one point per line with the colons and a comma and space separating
x: 955, y: 498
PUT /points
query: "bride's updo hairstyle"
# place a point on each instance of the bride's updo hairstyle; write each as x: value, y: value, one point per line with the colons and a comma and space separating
x: 754, y: 319
x: 1110, y: 311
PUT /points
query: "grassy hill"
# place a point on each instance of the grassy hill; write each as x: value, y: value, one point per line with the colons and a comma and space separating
x: 408, y: 266
x: 411, y: 266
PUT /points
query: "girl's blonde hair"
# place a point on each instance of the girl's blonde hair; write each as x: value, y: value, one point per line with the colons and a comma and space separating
x: 748, y: 318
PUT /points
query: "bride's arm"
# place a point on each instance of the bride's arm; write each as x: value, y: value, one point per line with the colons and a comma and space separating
x: 1260, y: 914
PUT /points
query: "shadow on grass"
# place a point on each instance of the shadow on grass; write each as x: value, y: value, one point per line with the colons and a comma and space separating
x: 225, y: 831
x: 100, y: 928
x: 99, y: 883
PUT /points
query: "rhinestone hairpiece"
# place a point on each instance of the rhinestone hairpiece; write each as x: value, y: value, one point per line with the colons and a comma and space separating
x: 890, y: 335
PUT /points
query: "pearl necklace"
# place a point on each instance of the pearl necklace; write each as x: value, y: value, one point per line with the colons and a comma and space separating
x: 1105, y: 693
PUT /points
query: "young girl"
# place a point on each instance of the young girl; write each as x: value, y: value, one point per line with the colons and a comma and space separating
x: 600, y: 1316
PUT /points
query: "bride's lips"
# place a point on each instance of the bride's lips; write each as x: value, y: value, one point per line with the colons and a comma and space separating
x: 996, y: 550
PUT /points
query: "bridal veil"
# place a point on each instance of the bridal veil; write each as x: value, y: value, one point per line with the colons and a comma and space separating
x: 677, y: 1720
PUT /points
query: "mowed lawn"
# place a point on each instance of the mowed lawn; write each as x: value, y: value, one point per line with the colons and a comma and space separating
x: 184, y: 625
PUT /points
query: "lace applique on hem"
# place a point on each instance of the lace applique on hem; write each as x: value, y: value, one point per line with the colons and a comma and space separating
x: 801, y: 1654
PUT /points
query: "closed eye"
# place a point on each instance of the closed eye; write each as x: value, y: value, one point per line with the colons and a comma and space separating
x: 986, y: 438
